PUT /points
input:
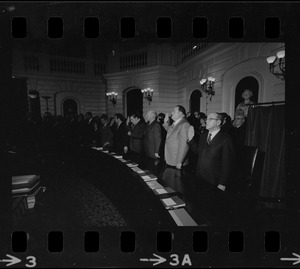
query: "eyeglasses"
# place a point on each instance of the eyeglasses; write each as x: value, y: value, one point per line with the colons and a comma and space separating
x: 209, y: 119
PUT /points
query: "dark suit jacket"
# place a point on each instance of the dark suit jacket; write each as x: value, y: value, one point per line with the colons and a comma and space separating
x: 215, y: 160
x: 152, y: 139
x: 106, y: 135
x: 89, y: 131
x: 121, y: 138
x: 136, y: 137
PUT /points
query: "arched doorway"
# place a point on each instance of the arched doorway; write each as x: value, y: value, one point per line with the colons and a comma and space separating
x: 69, y: 106
x: 249, y: 83
x: 134, y: 101
x: 195, y: 101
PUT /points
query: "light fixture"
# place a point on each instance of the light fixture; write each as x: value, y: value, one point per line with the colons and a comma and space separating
x: 47, y: 98
x: 277, y: 64
x: 207, y: 86
x: 33, y: 94
x: 148, y: 94
x: 112, y: 97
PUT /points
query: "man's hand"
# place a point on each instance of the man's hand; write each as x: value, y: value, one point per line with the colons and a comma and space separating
x: 221, y: 187
x: 156, y: 155
x: 166, y: 118
x: 191, y: 133
x: 179, y: 165
x: 128, y: 121
x: 125, y: 149
x: 129, y: 133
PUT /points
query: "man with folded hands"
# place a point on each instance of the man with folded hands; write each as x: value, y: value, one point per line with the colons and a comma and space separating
x: 120, y: 137
x: 136, y: 132
x: 152, y: 138
x: 106, y: 133
x: 216, y: 154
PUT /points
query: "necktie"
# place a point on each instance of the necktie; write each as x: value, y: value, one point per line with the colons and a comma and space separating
x: 209, y: 138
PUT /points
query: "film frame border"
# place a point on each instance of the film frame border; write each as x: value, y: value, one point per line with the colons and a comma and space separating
x: 288, y: 24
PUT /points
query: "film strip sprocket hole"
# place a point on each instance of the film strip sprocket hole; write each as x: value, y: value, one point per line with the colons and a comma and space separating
x: 237, y: 27
x: 164, y: 241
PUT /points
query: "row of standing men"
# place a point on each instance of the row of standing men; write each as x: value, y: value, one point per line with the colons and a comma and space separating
x: 174, y: 140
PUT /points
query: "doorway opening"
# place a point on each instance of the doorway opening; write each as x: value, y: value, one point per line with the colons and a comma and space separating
x: 134, y: 101
x: 195, y: 100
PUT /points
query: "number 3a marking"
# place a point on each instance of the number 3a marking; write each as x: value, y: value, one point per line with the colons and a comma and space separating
x: 31, y: 260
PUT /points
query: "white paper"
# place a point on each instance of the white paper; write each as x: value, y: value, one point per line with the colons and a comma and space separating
x: 146, y: 177
x: 161, y: 191
x: 97, y: 148
x: 169, y: 202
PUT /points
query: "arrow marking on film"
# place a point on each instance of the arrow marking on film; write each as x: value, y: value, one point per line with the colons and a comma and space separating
x: 297, y: 260
x: 13, y: 260
x: 158, y: 260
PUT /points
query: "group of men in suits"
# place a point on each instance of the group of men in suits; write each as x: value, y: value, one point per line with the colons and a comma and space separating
x: 214, y: 148
x: 138, y: 139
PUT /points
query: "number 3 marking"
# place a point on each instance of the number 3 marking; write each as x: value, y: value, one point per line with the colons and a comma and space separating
x: 31, y: 260
x: 175, y: 259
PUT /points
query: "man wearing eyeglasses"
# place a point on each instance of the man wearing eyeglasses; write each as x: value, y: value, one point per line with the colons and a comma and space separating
x: 215, y: 153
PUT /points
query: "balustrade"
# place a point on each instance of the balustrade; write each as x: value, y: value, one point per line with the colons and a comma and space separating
x: 133, y: 60
x: 190, y: 49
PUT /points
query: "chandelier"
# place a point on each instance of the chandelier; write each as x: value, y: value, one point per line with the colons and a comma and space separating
x: 112, y: 97
x: 277, y: 64
x: 207, y: 86
x: 148, y: 94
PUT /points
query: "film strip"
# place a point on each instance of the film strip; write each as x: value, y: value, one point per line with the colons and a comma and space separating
x: 96, y: 208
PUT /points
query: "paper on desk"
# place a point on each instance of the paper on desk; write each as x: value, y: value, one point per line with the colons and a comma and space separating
x: 169, y: 201
x: 161, y: 191
x: 97, y: 148
x: 146, y: 177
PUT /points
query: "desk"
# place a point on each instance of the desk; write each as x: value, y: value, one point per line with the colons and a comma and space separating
x: 135, y: 199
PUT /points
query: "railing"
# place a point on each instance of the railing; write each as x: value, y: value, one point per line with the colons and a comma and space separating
x: 57, y: 65
x: 31, y: 63
x: 190, y: 49
x: 133, y: 60
x: 99, y: 69
x: 67, y: 66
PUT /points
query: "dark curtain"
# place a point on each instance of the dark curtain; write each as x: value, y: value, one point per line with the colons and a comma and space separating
x: 266, y: 130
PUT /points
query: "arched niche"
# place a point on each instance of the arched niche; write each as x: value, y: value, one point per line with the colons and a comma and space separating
x: 69, y: 107
x: 60, y: 97
x: 230, y: 79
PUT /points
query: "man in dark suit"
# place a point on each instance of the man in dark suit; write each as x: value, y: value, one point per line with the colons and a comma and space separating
x: 216, y: 153
x: 89, y: 129
x: 106, y: 133
x: 152, y: 139
x: 214, y: 168
x: 120, y: 138
x: 136, y: 132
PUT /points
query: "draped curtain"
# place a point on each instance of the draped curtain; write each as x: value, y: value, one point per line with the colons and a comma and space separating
x: 266, y: 130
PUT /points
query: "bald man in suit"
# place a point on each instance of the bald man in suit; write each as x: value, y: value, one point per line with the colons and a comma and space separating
x: 176, y: 147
